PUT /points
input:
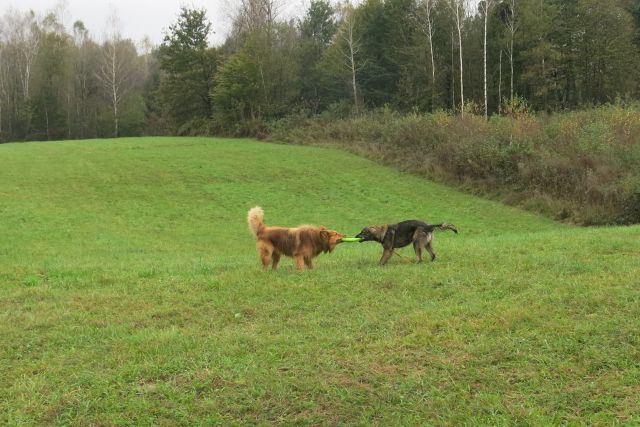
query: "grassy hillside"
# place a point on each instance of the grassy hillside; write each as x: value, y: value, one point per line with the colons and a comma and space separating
x: 130, y: 293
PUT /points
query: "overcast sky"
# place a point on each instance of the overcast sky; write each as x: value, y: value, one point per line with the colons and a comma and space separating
x: 143, y: 17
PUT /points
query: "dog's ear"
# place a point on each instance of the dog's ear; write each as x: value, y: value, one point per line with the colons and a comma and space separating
x: 324, y: 234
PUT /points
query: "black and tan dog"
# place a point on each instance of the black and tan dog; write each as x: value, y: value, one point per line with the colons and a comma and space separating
x: 399, y: 235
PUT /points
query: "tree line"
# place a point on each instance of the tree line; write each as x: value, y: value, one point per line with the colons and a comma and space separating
x: 494, y: 57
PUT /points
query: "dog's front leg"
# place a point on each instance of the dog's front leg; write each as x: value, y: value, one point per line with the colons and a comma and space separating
x: 308, y: 263
x: 386, y: 255
x: 299, y: 260
x: 275, y: 259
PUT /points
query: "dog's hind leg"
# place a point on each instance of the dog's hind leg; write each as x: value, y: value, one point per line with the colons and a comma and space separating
x: 429, y: 248
x: 275, y: 259
x: 417, y: 247
x: 420, y: 238
x: 264, y: 251
x: 386, y: 255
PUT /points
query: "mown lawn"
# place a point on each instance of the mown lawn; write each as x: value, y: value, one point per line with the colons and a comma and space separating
x: 131, y: 294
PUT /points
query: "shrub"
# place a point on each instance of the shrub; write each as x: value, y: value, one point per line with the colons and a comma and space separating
x: 581, y: 166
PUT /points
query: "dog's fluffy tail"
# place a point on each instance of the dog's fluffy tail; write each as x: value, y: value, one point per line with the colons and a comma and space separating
x: 444, y: 226
x: 255, y: 218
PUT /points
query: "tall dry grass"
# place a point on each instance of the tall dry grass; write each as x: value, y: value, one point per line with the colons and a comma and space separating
x: 582, y: 167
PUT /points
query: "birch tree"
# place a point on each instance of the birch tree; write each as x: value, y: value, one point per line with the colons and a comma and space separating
x: 253, y: 16
x: 112, y: 78
x: 486, y: 6
x: 28, y: 41
x: 512, y: 27
x: 21, y: 34
x: 258, y: 14
x: 3, y: 82
x: 145, y: 47
x: 453, y: 73
x: 500, y: 85
x: 116, y: 69
x: 49, y: 93
x: 459, y: 10
x: 82, y: 74
x: 425, y: 20
x: 352, y: 44
x: 257, y: 19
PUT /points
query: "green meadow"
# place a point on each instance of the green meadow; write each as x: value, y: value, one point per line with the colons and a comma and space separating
x: 131, y: 294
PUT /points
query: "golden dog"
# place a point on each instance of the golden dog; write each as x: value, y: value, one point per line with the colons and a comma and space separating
x: 302, y: 243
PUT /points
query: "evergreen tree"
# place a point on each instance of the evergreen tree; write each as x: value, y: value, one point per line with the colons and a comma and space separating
x: 317, y: 29
x: 188, y: 66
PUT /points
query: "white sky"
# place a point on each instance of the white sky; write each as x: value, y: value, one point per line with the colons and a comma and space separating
x: 143, y: 17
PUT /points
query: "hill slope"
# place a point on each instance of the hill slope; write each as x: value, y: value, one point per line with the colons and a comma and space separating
x: 131, y: 292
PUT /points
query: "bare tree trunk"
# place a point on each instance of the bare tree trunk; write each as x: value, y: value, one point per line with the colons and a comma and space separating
x: 352, y: 62
x: 459, y: 9
x: 254, y: 15
x: 512, y: 26
x: 20, y: 31
x: 30, y: 50
x: 461, y: 71
x: 116, y: 69
x: 500, y: 86
x: 114, y: 90
x: 350, y: 56
x: 511, y: 63
x: 426, y: 25
x: 486, y: 15
x: 487, y: 8
x: 353, y: 78
x: 68, y: 113
x: 27, y: 75
x: 146, y: 48
x: 80, y: 69
x: 433, y: 63
x: 46, y: 116
x: 29, y: 43
x: 83, y: 105
x: 544, y: 72
x: 453, y: 77
x: 115, y: 74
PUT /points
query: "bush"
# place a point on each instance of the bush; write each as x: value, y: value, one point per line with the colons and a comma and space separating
x: 195, y: 127
x: 580, y: 166
x: 630, y: 213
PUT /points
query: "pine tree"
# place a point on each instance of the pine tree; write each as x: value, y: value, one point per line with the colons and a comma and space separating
x: 188, y: 66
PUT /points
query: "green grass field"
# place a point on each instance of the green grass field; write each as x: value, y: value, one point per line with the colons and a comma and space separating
x: 131, y: 294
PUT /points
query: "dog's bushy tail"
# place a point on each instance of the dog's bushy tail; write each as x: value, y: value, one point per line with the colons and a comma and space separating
x: 445, y: 226
x: 255, y: 218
